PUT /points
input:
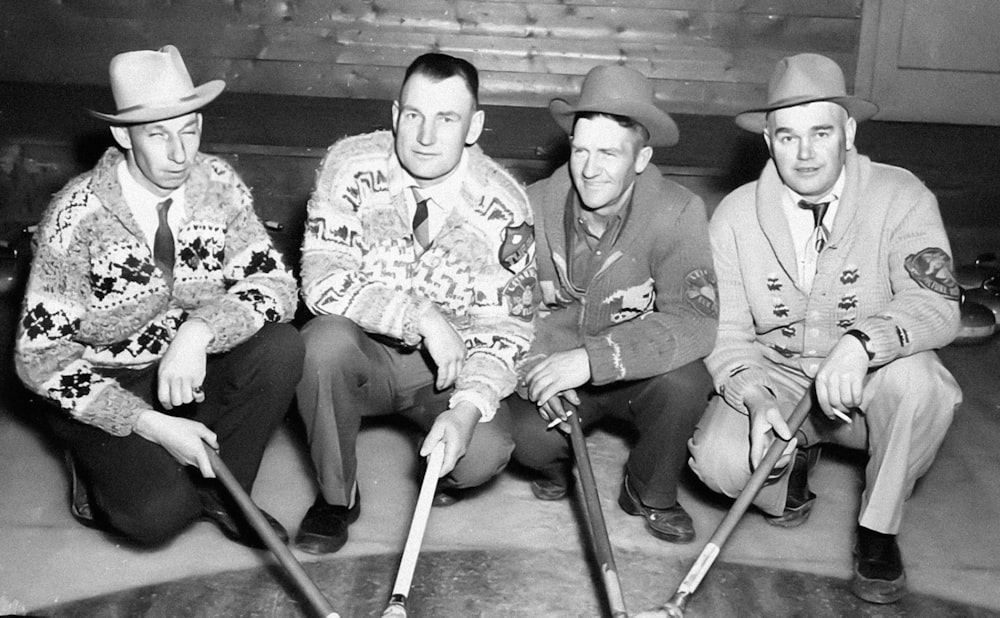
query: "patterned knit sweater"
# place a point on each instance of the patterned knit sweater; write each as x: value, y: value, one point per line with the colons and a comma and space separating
x: 358, y: 260
x: 885, y: 271
x: 651, y: 307
x: 95, y: 299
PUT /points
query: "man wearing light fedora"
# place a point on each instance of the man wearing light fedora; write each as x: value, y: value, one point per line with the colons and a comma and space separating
x: 628, y: 302
x: 834, y: 275
x: 153, y: 326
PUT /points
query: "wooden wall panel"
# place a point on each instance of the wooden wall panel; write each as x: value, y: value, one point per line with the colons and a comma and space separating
x: 705, y: 56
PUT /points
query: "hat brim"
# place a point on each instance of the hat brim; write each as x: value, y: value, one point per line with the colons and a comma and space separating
x: 755, y: 120
x: 201, y: 96
x: 662, y: 128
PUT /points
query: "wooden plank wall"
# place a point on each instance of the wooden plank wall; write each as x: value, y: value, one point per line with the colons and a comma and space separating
x: 706, y: 56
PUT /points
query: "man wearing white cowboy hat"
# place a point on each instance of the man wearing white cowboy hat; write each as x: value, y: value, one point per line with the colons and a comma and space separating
x: 152, y: 326
x: 820, y: 285
x: 628, y: 300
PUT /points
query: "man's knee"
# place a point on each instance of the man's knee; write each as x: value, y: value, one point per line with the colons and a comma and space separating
x: 720, y: 454
x: 332, y: 341
x: 155, y: 517
x: 921, y: 380
x: 484, y: 460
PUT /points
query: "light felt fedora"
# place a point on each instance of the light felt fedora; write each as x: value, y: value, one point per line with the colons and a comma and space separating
x: 621, y: 91
x: 801, y: 79
x: 155, y: 85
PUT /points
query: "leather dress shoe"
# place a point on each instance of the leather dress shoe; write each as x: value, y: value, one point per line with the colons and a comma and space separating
x: 672, y: 524
x: 79, y: 505
x: 799, y: 500
x: 237, y: 528
x: 878, y: 568
x: 324, y: 528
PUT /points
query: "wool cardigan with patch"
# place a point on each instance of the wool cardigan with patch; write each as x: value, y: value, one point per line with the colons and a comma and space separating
x: 885, y: 271
x: 95, y: 300
x: 359, y: 260
x: 651, y: 306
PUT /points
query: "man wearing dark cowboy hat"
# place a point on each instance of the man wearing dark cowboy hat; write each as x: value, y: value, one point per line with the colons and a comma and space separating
x: 418, y: 261
x: 820, y: 282
x: 628, y: 300
x: 152, y: 320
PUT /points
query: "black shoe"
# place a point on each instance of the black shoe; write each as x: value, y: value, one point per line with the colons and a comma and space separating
x: 878, y: 568
x: 799, y: 500
x: 324, y: 528
x: 672, y: 524
x: 553, y: 486
x: 79, y: 504
x: 234, y: 525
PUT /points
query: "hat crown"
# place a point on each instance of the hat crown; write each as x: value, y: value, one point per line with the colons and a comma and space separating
x: 805, y: 76
x: 614, y: 82
x: 149, y: 78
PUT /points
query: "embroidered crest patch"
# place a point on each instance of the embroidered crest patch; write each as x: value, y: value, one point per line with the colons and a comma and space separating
x: 931, y: 269
x: 516, y: 244
x: 701, y: 292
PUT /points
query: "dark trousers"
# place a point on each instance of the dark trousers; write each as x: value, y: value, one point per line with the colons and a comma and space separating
x: 349, y: 375
x: 663, y: 409
x: 136, y: 487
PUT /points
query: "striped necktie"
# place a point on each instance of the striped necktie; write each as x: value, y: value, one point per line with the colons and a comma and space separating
x: 818, y: 210
x: 163, y: 242
x: 421, y: 226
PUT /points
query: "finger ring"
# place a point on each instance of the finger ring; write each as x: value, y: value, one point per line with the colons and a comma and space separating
x: 197, y: 390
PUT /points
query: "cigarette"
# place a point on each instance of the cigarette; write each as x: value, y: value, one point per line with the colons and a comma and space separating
x: 556, y: 421
x: 842, y: 416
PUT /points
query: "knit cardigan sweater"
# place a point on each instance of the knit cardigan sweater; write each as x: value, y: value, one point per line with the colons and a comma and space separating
x: 95, y: 300
x: 359, y: 260
x: 651, y: 306
x: 886, y: 271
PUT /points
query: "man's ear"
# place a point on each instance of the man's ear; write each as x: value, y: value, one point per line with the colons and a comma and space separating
x: 395, y: 115
x: 767, y: 140
x: 475, y: 127
x: 643, y: 158
x: 850, y: 130
x: 122, y: 136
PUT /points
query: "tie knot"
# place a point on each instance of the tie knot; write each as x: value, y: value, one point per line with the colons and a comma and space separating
x: 818, y: 210
x: 164, y: 207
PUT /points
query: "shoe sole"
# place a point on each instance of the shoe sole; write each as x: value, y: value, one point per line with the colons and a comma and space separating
x: 793, y: 518
x: 878, y: 591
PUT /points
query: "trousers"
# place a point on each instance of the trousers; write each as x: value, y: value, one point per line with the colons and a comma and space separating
x: 349, y: 375
x: 662, y: 409
x: 136, y: 487
x: 906, y: 409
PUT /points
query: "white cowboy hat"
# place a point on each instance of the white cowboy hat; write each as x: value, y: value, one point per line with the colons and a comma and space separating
x: 155, y: 85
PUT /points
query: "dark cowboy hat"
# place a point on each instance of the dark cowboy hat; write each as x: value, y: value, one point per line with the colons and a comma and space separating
x: 801, y: 79
x: 155, y: 85
x: 621, y: 91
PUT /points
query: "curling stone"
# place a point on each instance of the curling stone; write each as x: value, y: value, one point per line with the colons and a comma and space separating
x: 972, y: 276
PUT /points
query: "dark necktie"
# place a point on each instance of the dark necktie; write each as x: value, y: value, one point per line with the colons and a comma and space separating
x: 163, y: 243
x: 421, y: 226
x: 818, y: 211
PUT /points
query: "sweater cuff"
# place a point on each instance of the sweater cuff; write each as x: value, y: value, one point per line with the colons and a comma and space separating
x: 741, y: 379
x: 606, y: 363
x: 884, y: 339
x: 410, y: 334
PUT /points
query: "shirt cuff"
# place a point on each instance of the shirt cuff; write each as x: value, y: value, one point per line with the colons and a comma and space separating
x: 477, y: 399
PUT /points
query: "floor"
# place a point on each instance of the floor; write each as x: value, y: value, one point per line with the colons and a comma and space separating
x: 503, y: 553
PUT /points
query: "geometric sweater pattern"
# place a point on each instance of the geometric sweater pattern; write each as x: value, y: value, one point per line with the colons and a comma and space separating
x: 95, y: 299
x: 359, y: 260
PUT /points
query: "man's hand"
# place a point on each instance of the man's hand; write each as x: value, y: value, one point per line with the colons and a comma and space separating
x: 454, y: 427
x: 765, y: 417
x: 444, y: 345
x: 182, y: 368
x: 557, y: 373
x: 840, y: 379
x: 560, y: 406
x: 183, y: 438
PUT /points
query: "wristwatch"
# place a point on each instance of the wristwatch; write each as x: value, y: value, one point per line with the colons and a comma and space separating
x: 864, y: 339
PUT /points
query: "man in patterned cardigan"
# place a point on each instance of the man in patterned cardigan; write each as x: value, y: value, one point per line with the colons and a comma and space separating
x: 628, y: 297
x: 152, y: 319
x: 418, y: 263
x: 834, y: 273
